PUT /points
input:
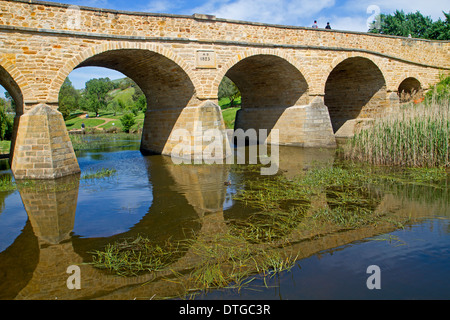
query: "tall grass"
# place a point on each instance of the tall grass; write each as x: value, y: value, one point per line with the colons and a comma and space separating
x: 415, y: 136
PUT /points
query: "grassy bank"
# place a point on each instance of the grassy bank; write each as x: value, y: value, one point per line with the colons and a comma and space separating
x: 415, y: 136
x: 101, y: 140
x: 5, y: 146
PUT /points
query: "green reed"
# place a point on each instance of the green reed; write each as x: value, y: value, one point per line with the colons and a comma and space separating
x: 102, y: 173
x: 95, y: 141
x: 415, y: 136
x: 132, y: 256
x: 7, y: 183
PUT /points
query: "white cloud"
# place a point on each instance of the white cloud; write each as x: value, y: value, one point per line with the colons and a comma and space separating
x: 431, y: 8
x: 344, y: 15
x: 160, y: 6
x: 268, y: 11
x: 345, y: 23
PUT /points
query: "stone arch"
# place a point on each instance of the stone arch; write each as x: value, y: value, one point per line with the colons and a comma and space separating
x: 355, y: 88
x: 277, y: 57
x: 409, y: 88
x: 80, y: 60
x: 8, y: 76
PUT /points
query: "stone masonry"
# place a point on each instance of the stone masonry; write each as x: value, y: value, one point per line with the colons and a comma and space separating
x: 307, y: 83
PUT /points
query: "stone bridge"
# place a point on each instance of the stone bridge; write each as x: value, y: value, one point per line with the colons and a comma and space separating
x: 305, y: 82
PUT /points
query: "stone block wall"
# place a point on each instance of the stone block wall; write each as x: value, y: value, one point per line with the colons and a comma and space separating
x: 189, y: 129
x: 43, y: 149
x: 303, y: 126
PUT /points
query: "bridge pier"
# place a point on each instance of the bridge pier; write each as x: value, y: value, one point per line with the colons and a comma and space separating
x: 185, y: 132
x: 299, y: 125
x: 42, y: 147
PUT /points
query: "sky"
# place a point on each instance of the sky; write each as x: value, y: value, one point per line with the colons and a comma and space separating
x: 349, y: 15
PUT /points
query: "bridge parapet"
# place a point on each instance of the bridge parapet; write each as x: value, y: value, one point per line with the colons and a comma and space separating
x: 97, y: 22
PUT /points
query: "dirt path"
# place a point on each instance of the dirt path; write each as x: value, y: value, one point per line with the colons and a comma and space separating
x: 101, y: 124
x: 106, y: 121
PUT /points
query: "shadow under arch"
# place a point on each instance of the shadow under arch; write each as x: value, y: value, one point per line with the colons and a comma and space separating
x: 266, y: 82
x: 166, y: 85
x: 409, y: 88
x: 355, y: 88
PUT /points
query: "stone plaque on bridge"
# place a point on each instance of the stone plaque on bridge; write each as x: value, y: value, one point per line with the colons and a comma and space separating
x: 206, y: 59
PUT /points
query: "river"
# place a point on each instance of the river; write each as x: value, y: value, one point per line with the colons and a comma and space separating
x: 47, y: 227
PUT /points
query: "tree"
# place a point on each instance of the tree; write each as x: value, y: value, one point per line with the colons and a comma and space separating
x: 95, y: 94
x: 141, y: 103
x: 6, y: 123
x: 227, y: 89
x: 114, y: 106
x: 440, y: 29
x: 414, y: 24
x: 127, y: 121
x: 68, y: 98
x: 12, y: 103
x: 139, y: 99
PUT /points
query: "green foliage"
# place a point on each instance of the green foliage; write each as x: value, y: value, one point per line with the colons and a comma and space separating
x: 114, y: 106
x: 6, y: 123
x: 414, y: 24
x: 103, y: 173
x: 127, y: 121
x: 95, y: 94
x: 140, y: 103
x: 229, y: 117
x: 439, y: 92
x: 68, y: 98
x: 227, y: 89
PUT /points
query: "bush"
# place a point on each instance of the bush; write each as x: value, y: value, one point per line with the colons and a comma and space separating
x: 440, y: 91
x: 127, y: 121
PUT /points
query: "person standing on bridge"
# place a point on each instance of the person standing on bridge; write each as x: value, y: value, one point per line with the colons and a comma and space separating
x: 315, y: 26
x: 328, y: 26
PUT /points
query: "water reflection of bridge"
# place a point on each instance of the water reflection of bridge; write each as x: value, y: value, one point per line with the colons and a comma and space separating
x: 34, y: 266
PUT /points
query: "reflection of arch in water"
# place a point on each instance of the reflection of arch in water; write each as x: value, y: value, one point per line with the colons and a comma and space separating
x: 171, y: 217
x: 49, y: 261
x: 18, y: 262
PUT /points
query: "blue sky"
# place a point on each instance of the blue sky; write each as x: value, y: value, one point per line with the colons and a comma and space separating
x: 349, y: 15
